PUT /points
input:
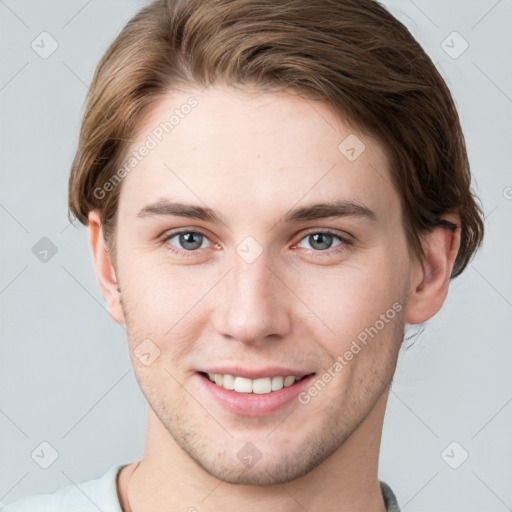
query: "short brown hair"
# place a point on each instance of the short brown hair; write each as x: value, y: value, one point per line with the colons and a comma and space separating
x: 352, y: 55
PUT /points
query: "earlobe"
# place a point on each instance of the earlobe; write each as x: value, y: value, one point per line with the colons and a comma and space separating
x: 105, y: 271
x: 430, y: 278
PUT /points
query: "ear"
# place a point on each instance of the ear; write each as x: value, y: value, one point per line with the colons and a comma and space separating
x: 105, y: 271
x: 430, y: 277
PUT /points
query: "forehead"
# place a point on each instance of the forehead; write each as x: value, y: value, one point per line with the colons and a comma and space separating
x: 244, y: 153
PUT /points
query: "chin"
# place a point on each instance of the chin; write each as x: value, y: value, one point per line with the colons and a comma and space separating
x: 264, y: 475
x: 272, y: 468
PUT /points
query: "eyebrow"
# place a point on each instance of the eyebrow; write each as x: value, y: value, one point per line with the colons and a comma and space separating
x: 338, y: 208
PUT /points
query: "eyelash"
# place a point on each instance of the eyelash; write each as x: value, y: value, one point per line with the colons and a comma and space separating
x: 345, y: 242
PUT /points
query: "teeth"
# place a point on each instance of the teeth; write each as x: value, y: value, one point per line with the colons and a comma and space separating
x: 228, y: 382
x: 288, y: 381
x: 261, y: 386
x: 277, y: 383
x: 242, y: 385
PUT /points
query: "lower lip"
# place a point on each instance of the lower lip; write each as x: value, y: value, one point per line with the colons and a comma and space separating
x: 254, y: 404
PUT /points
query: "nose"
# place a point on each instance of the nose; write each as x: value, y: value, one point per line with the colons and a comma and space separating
x: 253, y: 304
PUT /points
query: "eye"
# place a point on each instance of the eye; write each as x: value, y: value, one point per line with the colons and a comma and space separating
x: 186, y: 241
x: 323, y: 241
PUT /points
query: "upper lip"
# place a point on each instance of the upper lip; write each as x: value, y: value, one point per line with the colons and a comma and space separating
x: 253, y: 373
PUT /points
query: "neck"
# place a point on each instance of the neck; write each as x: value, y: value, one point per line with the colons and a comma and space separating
x: 168, y: 479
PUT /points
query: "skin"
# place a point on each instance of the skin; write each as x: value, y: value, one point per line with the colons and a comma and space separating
x: 253, y: 158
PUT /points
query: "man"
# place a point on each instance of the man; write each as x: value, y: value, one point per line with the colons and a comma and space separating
x: 273, y: 192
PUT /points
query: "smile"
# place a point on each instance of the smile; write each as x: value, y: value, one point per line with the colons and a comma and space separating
x: 258, y: 396
x: 259, y: 386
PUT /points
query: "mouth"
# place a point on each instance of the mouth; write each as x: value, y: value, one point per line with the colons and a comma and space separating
x: 262, y: 396
x: 259, y: 386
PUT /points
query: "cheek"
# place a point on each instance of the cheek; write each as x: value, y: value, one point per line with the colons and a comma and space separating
x: 351, y: 296
x: 346, y: 300
x: 166, y: 305
x: 161, y: 294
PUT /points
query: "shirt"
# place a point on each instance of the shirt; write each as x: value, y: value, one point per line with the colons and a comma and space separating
x: 101, y: 494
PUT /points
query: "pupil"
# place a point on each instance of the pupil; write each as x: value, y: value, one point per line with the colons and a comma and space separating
x: 187, y: 240
x: 319, y: 238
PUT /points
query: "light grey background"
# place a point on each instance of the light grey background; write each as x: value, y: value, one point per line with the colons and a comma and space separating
x: 65, y: 373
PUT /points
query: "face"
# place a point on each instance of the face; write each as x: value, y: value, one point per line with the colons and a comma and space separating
x: 260, y: 245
